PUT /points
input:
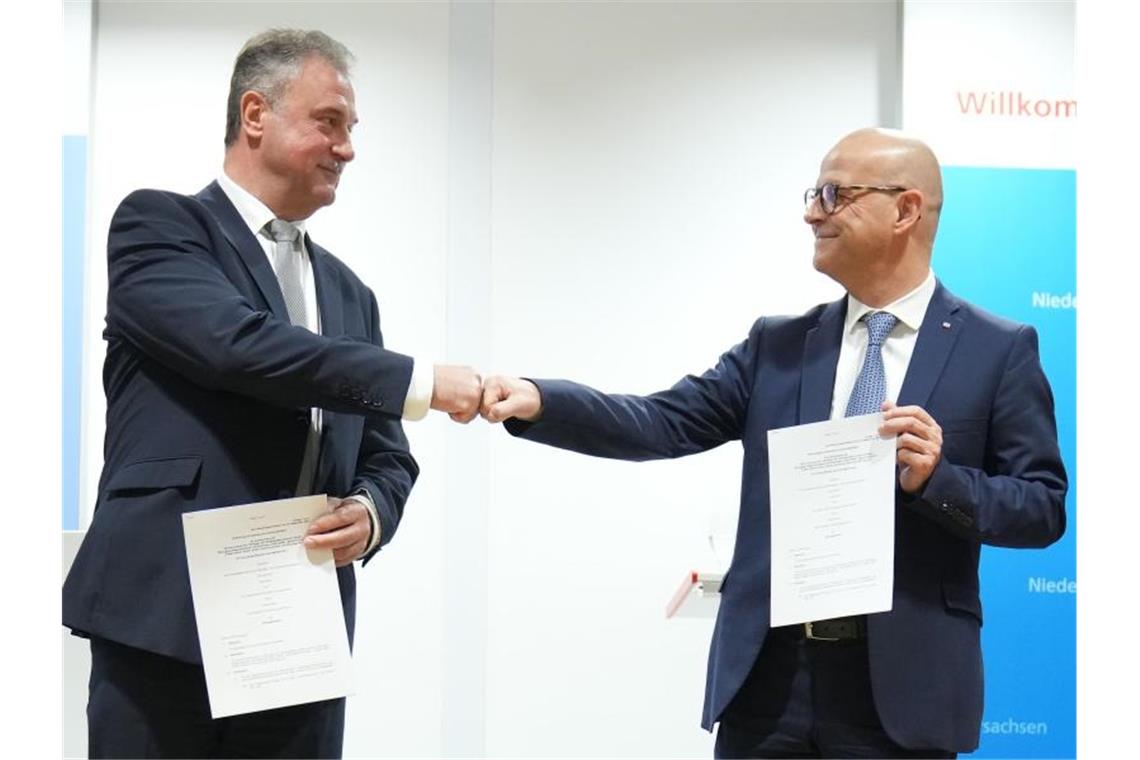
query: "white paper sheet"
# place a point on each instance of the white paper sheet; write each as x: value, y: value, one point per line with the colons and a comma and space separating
x: 833, y: 519
x: 270, y: 622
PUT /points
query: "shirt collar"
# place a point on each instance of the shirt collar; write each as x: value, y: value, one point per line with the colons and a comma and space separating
x: 910, y: 309
x: 252, y: 211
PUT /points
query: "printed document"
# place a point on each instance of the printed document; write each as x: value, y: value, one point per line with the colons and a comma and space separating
x: 270, y: 622
x: 833, y: 519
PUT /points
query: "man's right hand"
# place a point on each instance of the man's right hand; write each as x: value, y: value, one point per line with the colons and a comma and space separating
x: 506, y: 397
x: 457, y: 391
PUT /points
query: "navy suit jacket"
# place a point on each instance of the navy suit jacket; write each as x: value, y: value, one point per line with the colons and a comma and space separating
x: 1000, y: 482
x: 209, y: 389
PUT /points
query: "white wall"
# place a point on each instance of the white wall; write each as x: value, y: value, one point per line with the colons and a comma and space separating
x: 649, y: 166
x: 636, y: 170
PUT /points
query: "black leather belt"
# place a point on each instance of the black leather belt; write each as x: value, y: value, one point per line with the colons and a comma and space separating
x: 837, y: 629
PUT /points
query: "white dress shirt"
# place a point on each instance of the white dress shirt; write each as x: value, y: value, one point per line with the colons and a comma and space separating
x: 897, y: 348
x: 256, y: 215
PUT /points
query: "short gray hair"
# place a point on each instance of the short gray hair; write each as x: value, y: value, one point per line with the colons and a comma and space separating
x: 269, y: 61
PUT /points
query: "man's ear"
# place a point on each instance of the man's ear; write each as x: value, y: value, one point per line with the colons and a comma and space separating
x: 909, y: 205
x: 254, y: 109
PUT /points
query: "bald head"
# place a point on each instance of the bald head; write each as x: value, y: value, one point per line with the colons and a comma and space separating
x: 877, y: 236
x: 892, y: 157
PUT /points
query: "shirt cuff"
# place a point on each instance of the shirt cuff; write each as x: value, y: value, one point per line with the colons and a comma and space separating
x: 418, y: 400
x: 373, y: 516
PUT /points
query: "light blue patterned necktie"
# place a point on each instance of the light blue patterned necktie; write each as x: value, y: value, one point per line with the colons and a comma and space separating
x: 871, y: 385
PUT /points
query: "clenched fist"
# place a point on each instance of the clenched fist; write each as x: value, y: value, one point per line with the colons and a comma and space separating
x: 457, y: 391
x: 506, y: 397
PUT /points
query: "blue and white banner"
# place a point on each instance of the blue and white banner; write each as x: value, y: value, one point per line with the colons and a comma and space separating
x: 990, y: 87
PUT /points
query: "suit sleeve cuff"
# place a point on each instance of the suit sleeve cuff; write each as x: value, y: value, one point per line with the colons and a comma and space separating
x: 373, y: 518
x: 418, y: 400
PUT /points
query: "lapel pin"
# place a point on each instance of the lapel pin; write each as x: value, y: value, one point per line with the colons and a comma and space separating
x: 945, y: 325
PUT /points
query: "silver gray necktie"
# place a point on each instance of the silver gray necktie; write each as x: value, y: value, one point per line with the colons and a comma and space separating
x: 289, y: 269
x: 290, y: 263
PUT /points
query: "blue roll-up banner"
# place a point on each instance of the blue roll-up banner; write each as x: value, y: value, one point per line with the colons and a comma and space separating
x: 1001, y: 120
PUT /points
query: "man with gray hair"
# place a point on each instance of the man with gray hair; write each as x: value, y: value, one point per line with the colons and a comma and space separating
x: 244, y: 363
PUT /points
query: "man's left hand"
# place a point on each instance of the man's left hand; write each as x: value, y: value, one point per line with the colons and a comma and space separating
x: 919, y: 443
x: 344, y: 529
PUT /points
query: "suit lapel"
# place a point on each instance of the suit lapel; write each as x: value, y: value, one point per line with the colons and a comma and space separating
x: 329, y: 302
x: 821, y: 354
x: 244, y: 242
x: 940, y: 329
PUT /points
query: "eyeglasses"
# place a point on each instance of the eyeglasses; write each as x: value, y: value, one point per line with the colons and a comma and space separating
x: 829, y: 193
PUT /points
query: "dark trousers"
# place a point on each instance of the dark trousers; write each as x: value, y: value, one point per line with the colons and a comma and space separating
x: 808, y: 699
x: 142, y: 704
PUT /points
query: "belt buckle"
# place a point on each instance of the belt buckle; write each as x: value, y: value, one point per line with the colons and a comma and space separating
x: 810, y: 634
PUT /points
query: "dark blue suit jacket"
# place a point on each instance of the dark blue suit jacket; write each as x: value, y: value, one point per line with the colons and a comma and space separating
x: 1000, y: 482
x: 208, y: 390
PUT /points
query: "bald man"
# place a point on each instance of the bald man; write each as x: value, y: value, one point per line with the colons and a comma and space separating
x: 978, y: 463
